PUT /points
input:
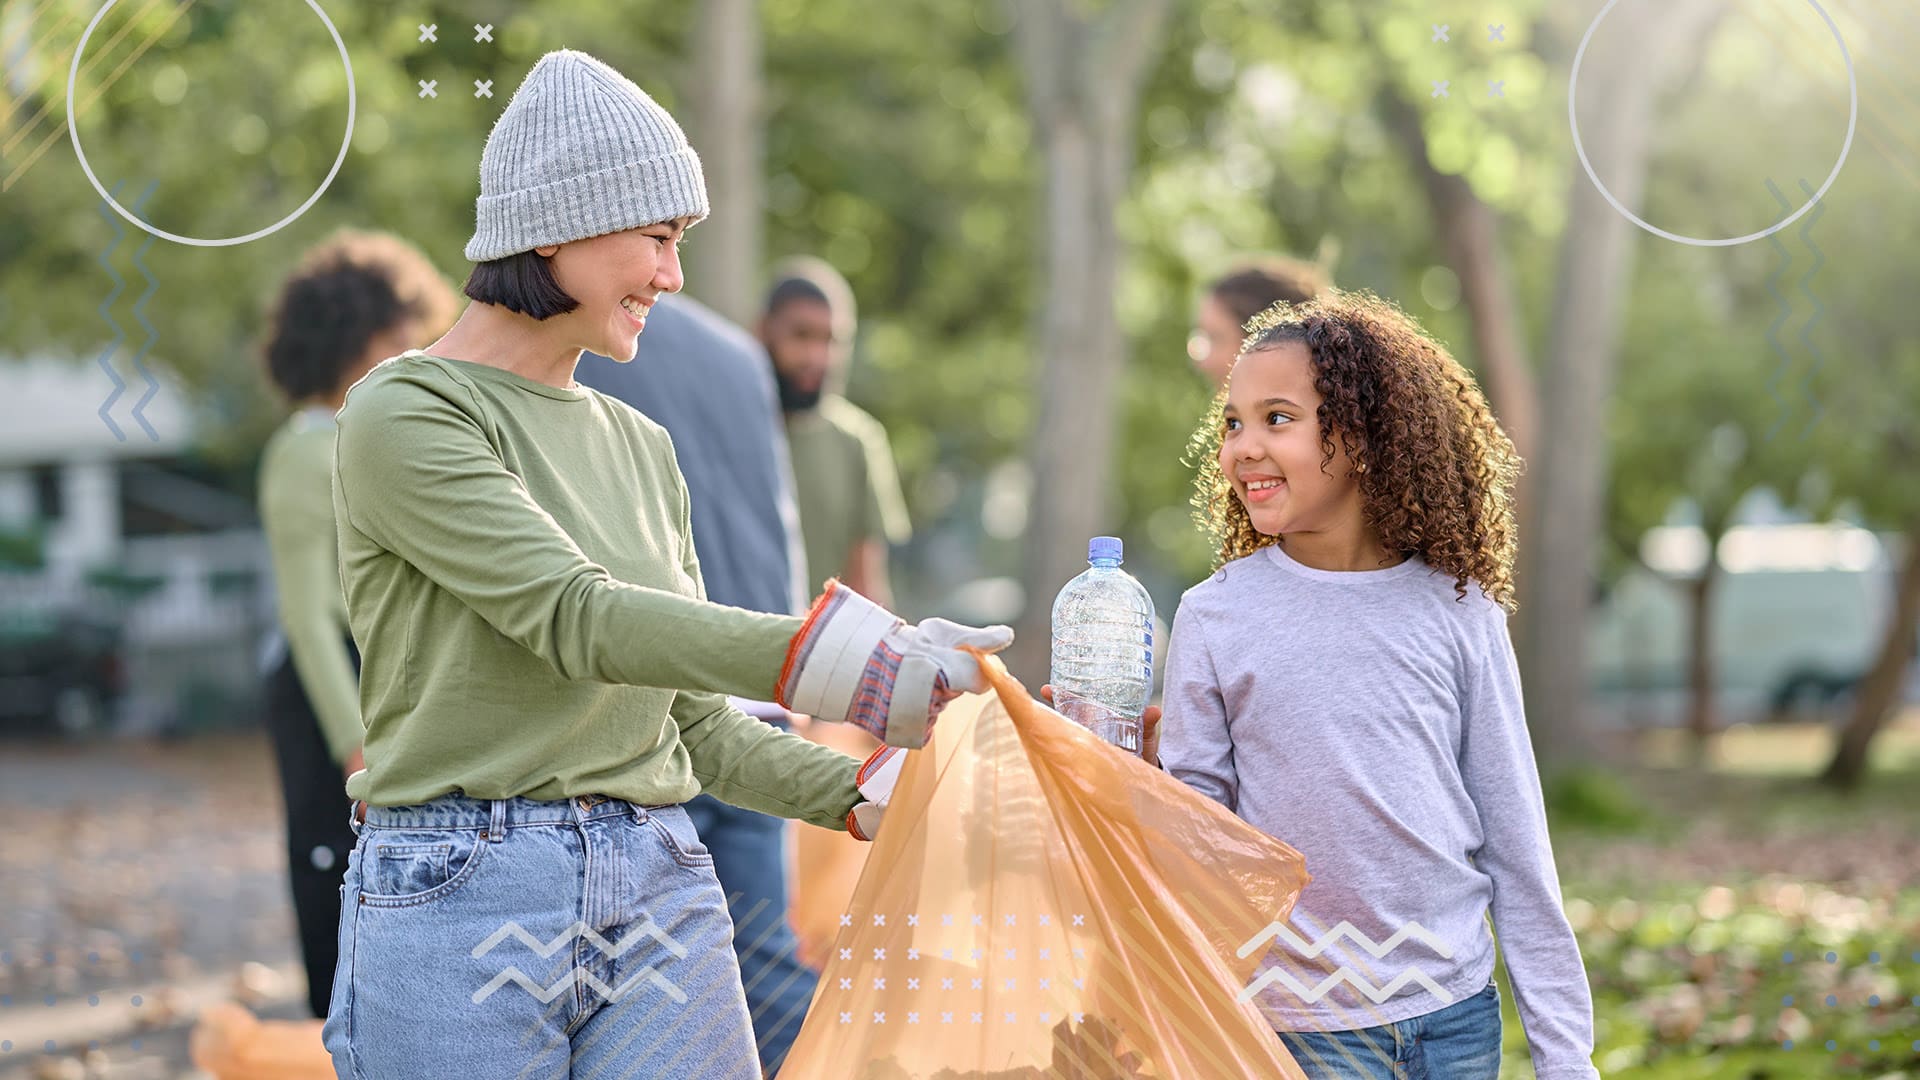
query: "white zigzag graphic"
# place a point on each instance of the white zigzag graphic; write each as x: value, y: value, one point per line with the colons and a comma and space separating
x: 579, y: 975
x: 1277, y: 929
x: 580, y: 930
x: 1344, y: 973
x: 514, y: 975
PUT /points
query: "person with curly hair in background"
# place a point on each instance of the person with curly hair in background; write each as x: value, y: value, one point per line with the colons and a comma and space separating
x: 355, y: 300
x: 1345, y: 682
x: 1234, y: 298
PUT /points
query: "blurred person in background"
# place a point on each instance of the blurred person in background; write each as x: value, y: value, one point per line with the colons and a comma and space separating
x: 706, y: 381
x: 353, y: 301
x: 1237, y: 296
x: 851, y: 507
x: 851, y: 512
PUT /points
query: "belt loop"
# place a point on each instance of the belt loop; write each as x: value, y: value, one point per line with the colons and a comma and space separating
x: 639, y: 812
x: 497, y: 827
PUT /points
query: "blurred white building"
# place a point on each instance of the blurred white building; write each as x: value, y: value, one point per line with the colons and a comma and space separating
x: 119, y: 529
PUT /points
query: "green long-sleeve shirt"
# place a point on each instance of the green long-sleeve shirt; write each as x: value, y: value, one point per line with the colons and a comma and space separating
x: 521, y: 581
x: 296, y: 512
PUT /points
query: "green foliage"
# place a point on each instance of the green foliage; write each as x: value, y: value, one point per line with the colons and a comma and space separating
x: 898, y: 147
x: 24, y: 549
x: 1595, y: 800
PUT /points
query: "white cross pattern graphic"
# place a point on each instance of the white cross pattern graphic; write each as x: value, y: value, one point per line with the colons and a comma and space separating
x: 482, y: 88
x: 427, y: 88
x: 483, y: 32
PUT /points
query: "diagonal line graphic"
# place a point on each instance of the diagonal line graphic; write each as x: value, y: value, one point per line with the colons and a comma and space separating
x: 105, y: 259
x: 1819, y: 312
x: 55, y: 69
x: 1903, y: 157
x: 1780, y: 319
x: 28, y: 22
x: 31, y: 92
x: 53, y: 136
x: 140, y: 316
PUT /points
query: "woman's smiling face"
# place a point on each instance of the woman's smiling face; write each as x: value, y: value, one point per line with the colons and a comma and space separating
x: 616, y: 278
x: 1271, y: 453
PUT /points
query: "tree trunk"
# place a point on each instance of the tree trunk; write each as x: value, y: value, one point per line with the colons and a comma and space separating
x: 1083, y: 78
x: 1880, y: 691
x: 1470, y: 243
x: 1700, y: 662
x: 727, y: 129
x: 1570, y: 479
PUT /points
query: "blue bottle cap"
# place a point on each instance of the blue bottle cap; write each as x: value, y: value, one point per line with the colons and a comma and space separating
x: 1106, y: 547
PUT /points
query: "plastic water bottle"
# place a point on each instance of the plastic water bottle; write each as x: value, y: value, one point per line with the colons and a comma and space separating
x: 1103, y: 648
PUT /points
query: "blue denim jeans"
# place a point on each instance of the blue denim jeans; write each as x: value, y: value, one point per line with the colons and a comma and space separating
x: 1459, y: 1042
x: 503, y: 939
x: 749, y: 855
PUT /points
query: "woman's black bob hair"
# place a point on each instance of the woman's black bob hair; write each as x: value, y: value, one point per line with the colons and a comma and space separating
x: 522, y: 283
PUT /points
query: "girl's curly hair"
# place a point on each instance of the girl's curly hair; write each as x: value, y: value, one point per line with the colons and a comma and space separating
x: 1439, y: 473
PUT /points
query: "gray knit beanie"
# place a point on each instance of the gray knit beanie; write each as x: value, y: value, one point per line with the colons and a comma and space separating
x: 579, y: 152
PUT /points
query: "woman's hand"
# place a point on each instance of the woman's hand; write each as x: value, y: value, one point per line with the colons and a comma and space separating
x: 1149, y: 728
x: 856, y: 661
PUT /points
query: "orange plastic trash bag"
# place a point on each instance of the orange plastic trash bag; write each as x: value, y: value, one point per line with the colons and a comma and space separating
x: 231, y: 1044
x: 825, y: 863
x: 1039, y: 904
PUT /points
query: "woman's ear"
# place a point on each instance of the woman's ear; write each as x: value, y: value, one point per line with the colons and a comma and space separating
x: 547, y: 251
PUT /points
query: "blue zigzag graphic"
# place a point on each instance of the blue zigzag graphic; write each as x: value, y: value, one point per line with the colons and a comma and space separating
x: 1819, y: 312
x: 140, y: 314
x: 1779, y: 320
x: 106, y: 312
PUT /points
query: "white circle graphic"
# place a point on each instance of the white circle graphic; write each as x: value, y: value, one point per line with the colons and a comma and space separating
x: 1573, y: 121
x: 73, y: 132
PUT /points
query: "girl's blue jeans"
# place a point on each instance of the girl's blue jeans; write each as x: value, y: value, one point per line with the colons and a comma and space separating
x: 1459, y: 1042
x: 512, y: 938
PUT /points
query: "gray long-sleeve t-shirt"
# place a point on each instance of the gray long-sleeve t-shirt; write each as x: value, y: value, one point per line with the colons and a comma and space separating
x: 1373, y: 720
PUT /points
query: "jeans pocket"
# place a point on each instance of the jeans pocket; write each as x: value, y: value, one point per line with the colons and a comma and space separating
x: 680, y: 838
x: 398, y: 869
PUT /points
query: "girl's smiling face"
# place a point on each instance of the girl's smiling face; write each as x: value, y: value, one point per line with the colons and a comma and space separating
x: 1271, y: 452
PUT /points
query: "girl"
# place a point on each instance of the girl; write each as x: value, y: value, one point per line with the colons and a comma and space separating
x: 544, y: 683
x: 354, y: 300
x: 1345, y: 682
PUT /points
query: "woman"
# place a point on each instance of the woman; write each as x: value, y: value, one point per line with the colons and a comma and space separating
x: 543, y: 682
x: 354, y: 300
x: 1236, y: 297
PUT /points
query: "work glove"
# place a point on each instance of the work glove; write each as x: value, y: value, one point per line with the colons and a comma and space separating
x: 876, y: 779
x: 854, y: 660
